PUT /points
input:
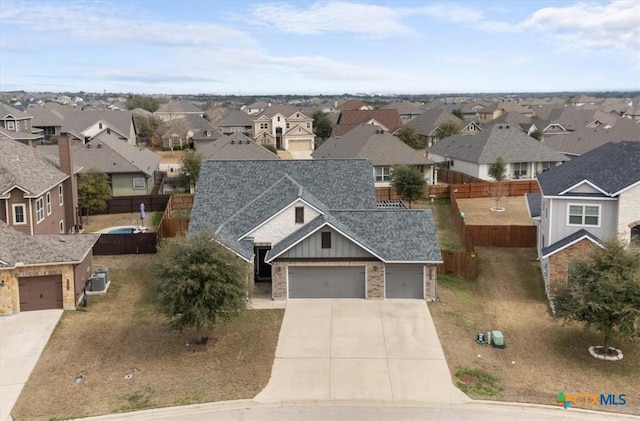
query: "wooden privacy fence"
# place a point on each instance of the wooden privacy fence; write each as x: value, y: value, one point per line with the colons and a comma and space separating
x: 510, y: 188
x: 459, y: 263
x: 130, y: 204
x: 175, y: 219
x: 503, y: 235
x: 449, y: 176
x: 113, y: 244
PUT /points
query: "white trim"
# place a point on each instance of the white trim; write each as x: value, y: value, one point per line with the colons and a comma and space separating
x: 567, y: 190
x: 584, y: 215
x: 581, y: 198
x: 48, y: 203
x: 38, y: 220
x: 61, y: 226
x: 24, y: 213
x: 626, y: 188
x: 546, y: 256
x: 133, y: 183
x: 254, y: 229
x: 60, y: 195
x: 233, y: 251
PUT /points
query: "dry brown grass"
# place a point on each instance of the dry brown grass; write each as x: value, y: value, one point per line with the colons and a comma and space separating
x: 549, y: 357
x: 99, y: 222
x: 478, y: 211
x: 447, y: 234
x: 168, y: 157
x: 122, y: 333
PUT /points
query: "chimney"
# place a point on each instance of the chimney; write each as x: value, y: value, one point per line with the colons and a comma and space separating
x: 69, y: 186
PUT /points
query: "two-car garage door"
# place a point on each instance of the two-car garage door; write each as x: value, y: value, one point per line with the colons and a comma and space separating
x: 40, y: 292
x: 327, y: 282
x: 404, y: 281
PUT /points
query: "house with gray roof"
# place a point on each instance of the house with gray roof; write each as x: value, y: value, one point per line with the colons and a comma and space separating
x: 383, y: 149
x: 235, y: 147
x: 177, y: 108
x: 525, y: 156
x: 37, y: 192
x: 130, y: 169
x: 313, y: 229
x: 427, y: 125
x: 287, y: 128
x: 17, y: 125
x: 586, y: 200
x: 182, y: 132
x: 43, y: 271
x: 406, y: 110
x: 236, y: 121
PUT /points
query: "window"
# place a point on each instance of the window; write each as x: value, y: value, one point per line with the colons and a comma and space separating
x: 48, y: 203
x: 11, y: 125
x: 61, y: 226
x: 519, y: 169
x: 19, y: 217
x: 584, y: 215
x: 60, y: 195
x: 308, y: 125
x: 139, y: 183
x: 100, y: 126
x: 39, y: 210
x: 546, y: 166
x: 288, y: 125
x: 326, y: 240
x: 383, y: 173
x: 299, y: 215
x: 264, y: 125
x: 278, y: 118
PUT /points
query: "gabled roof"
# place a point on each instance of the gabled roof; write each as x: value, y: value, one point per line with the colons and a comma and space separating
x: 585, y: 139
x: 429, y: 120
x: 179, y: 106
x: 40, y: 249
x: 351, y: 104
x: 235, y: 147
x: 235, y: 118
x: 568, y: 241
x: 397, y: 235
x: 7, y: 111
x: 368, y: 141
x: 226, y: 187
x: 611, y: 168
x: 404, y: 107
x: 76, y: 121
x: 506, y: 141
x: 195, y: 123
x: 349, y: 119
x: 534, y: 204
x: 285, y: 110
x: 24, y: 167
x: 10, y: 134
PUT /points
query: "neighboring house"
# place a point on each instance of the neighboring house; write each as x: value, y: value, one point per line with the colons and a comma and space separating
x: 17, y: 125
x: 44, y: 271
x: 382, y: 148
x: 354, y: 104
x: 473, y: 155
x: 236, y: 121
x: 181, y: 132
x: 285, y: 127
x: 406, y: 110
x: 256, y: 107
x: 312, y: 229
x: 130, y: 169
x: 37, y: 192
x: 427, y: 125
x: 177, y: 108
x: 235, y: 147
x: 387, y: 120
x: 58, y: 120
x: 586, y: 200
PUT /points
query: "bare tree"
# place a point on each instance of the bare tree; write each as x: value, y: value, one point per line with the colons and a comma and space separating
x: 498, y: 189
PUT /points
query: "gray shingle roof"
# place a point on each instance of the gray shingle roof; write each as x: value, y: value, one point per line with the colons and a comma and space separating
x: 25, y: 167
x: 6, y: 110
x: 75, y: 121
x: 38, y: 249
x: 235, y: 118
x: 534, y: 204
x: 366, y: 141
x: 612, y: 167
x: 568, y: 240
x: 392, y: 235
x: 235, y: 147
x: 585, y: 139
x: 179, y: 106
x: 286, y: 110
x: 224, y: 187
x: 428, y: 121
x: 484, y: 148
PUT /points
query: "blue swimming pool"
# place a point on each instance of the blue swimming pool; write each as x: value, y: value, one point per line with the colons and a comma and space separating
x: 125, y: 230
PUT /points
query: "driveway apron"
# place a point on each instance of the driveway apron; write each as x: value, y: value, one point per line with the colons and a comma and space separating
x: 23, y: 336
x: 359, y: 350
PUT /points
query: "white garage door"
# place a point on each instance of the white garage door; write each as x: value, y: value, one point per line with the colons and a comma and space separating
x: 404, y: 281
x: 327, y: 282
x: 300, y: 145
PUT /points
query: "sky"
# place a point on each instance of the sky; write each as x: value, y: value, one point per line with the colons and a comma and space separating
x: 319, y: 47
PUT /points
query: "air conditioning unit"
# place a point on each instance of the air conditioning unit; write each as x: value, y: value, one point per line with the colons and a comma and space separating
x: 97, y: 282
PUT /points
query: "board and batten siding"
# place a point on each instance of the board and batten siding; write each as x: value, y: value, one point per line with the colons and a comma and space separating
x: 341, y: 247
x: 559, y: 217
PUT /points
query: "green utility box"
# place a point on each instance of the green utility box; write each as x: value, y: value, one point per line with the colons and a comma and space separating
x: 497, y: 339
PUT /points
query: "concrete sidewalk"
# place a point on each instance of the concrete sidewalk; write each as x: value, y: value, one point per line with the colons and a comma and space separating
x: 359, y: 350
x: 23, y: 336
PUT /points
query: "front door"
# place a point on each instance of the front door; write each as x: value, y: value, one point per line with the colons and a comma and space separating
x: 279, y: 138
x: 263, y: 270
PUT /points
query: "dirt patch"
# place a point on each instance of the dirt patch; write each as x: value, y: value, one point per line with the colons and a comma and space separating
x: 542, y: 357
x: 128, y: 358
x: 478, y: 211
x: 100, y: 222
x: 168, y: 157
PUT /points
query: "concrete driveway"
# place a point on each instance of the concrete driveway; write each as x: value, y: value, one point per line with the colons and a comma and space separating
x: 359, y: 350
x: 23, y: 336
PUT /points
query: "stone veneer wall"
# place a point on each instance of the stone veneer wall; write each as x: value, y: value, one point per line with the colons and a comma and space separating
x: 430, y: 282
x: 374, y: 274
x: 10, y: 293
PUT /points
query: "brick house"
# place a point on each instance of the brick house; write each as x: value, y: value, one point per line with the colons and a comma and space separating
x: 313, y: 229
x: 588, y: 199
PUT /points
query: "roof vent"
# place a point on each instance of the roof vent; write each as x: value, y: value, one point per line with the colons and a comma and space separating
x: 233, y: 142
x: 500, y: 126
x: 99, y: 145
x: 88, y: 145
x: 506, y: 127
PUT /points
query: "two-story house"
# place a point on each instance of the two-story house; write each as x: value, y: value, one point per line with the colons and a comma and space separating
x: 287, y: 128
x: 16, y: 125
x: 37, y: 193
x: 588, y: 199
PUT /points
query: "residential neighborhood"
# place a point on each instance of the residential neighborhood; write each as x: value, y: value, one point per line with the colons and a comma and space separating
x: 313, y: 210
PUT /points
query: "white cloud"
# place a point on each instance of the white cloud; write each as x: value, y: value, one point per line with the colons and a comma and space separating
x: 333, y: 17
x: 467, y: 16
